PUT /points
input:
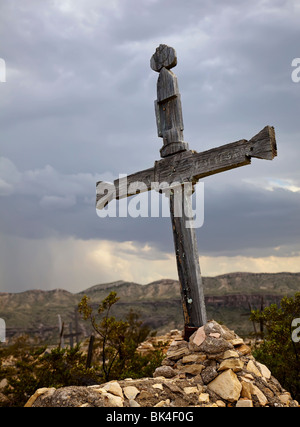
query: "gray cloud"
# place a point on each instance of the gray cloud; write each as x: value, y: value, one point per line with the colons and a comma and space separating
x: 239, y: 215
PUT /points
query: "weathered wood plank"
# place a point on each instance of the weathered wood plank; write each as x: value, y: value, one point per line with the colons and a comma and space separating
x: 187, y: 259
x: 191, y: 166
x: 263, y: 145
x: 167, y: 85
x: 127, y: 186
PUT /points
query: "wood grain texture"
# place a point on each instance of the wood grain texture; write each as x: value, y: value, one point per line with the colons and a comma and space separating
x: 124, y: 187
x: 263, y: 145
x: 187, y: 259
x: 168, y: 109
x: 164, y: 56
x: 167, y: 85
x: 190, y: 166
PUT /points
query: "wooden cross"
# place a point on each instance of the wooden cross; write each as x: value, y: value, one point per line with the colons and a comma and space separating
x: 181, y: 165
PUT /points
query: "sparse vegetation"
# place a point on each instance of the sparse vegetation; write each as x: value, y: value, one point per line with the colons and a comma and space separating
x: 31, y: 368
x: 26, y: 367
x: 278, y: 350
x: 158, y: 303
x: 119, y: 340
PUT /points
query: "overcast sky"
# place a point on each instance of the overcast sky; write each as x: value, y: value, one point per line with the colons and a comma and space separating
x: 77, y: 107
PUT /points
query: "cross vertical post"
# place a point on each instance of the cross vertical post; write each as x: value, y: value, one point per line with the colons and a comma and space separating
x: 170, y: 127
x: 187, y: 259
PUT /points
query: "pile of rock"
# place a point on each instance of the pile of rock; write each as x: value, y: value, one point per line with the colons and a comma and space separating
x: 161, y: 342
x: 228, y: 373
x: 215, y: 368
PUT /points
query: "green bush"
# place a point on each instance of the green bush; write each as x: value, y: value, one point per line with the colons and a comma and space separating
x: 34, y: 367
x: 119, y: 340
x: 278, y: 350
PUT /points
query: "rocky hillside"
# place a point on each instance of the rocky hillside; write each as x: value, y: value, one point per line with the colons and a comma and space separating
x: 232, y: 283
x: 228, y: 299
x: 214, y: 369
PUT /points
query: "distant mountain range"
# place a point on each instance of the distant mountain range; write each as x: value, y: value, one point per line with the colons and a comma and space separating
x: 229, y: 298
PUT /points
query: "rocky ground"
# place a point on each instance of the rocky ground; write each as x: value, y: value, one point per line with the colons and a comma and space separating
x: 214, y: 369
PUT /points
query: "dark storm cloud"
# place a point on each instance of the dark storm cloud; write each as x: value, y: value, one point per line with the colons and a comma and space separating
x: 239, y: 216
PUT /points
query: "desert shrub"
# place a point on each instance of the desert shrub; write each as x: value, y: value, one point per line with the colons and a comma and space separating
x: 279, y: 349
x: 35, y: 368
x: 119, y: 340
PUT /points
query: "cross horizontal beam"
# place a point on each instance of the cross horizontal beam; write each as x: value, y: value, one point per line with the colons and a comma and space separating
x: 190, y: 166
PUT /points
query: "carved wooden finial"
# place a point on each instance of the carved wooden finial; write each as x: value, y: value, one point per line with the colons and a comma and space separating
x: 164, y: 56
x: 168, y: 104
